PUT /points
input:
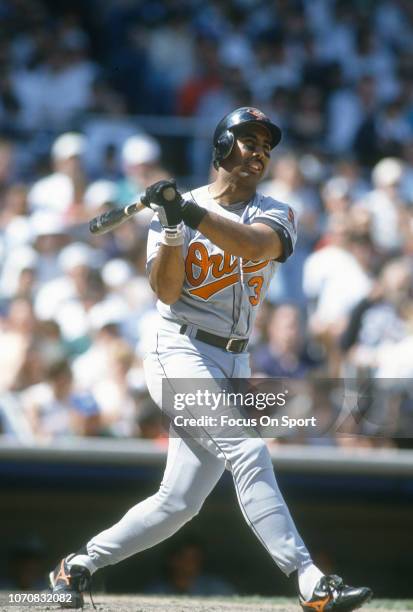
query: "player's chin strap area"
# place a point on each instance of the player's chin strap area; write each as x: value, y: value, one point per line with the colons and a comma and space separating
x: 232, y: 345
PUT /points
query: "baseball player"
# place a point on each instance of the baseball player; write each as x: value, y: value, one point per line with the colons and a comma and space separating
x: 211, y: 256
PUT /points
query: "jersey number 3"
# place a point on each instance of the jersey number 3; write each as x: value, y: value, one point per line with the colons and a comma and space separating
x: 256, y: 283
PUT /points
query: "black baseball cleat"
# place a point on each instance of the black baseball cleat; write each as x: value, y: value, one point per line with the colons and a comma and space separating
x: 331, y: 593
x: 69, y: 584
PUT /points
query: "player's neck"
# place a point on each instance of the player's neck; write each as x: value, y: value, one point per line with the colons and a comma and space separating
x: 227, y: 191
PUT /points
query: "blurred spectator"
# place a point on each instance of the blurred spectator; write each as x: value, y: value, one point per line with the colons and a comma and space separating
x: 67, y: 298
x: 386, y: 205
x: 9, y: 106
x: 207, y: 76
x: 149, y: 422
x: 347, y: 109
x: 141, y: 158
x: 128, y: 289
x: 114, y: 393
x: 348, y: 169
x: 288, y: 184
x: 274, y: 66
x: 136, y: 75
x: 57, y: 85
x: 16, y: 330
x: 19, y: 274
x: 61, y: 190
x: 14, y: 204
x: 7, y: 169
x: 307, y: 127
x: 336, y: 278
x: 285, y: 354
x: 99, y: 197
x: 383, y: 133
x: 106, y: 128
x: 279, y: 107
x: 185, y: 575
x: 172, y: 39
x: 53, y: 408
x: 26, y: 565
x: 382, y: 320
x: 48, y: 236
x: 93, y: 365
x: 371, y: 56
x: 336, y: 195
x: 392, y: 24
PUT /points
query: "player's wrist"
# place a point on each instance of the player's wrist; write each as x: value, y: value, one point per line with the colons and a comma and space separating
x: 173, y: 235
x: 192, y: 214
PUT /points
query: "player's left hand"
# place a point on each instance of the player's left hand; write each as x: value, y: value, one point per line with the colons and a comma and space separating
x: 164, y: 198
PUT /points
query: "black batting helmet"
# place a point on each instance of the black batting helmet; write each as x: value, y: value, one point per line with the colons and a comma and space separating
x: 224, y: 137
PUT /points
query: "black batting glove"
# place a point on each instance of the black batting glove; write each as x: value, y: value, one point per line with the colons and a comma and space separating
x: 164, y: 198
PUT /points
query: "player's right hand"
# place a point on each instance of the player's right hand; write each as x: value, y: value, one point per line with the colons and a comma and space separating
x: 164, y: 198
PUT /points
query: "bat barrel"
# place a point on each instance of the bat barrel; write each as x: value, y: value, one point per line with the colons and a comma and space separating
x: 110, y: 220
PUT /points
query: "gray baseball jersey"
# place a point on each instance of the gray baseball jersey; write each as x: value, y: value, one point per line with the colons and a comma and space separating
x: 220, y: 295
x: 221, y: 292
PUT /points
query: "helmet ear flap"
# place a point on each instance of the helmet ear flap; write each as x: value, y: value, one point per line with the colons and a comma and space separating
x: 223, y: 147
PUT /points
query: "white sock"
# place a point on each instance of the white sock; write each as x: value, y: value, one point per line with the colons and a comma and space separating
x: 84, y: 561
x: 308, y: 576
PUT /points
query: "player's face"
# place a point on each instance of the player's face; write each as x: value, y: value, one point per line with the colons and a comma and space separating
x: 251, y: 153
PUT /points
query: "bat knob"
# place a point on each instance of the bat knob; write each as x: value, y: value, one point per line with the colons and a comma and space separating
x: 169, y: 193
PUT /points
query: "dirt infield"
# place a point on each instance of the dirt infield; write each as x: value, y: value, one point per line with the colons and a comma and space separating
x: 138, y: 603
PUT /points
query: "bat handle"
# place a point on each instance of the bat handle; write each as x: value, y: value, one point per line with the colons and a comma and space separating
x: 132, y: 209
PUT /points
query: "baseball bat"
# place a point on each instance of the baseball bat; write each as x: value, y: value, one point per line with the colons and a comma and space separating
x: 110, y: 220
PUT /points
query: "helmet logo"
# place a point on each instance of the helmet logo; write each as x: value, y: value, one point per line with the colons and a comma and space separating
x: 257, y: 114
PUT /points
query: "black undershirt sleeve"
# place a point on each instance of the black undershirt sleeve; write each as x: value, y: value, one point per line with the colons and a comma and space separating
x: 283, y: 234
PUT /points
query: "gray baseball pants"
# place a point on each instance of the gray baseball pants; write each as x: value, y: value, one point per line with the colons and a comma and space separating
x: 194, y: 467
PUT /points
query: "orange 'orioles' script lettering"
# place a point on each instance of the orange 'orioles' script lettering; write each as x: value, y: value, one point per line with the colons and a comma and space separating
x: 223, y: 269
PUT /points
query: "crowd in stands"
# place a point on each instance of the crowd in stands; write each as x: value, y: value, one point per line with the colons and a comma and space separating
x: 75, y: 309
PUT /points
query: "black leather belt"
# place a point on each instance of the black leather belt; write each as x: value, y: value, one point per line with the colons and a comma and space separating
x: 232, y: 345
